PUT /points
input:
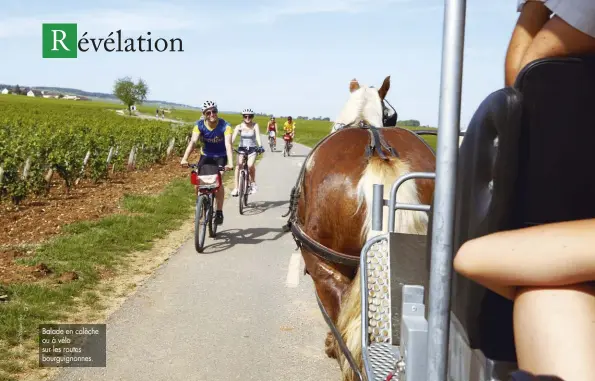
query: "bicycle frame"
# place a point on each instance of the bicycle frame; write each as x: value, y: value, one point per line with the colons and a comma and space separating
x: 206, y: 193
x: 244, y: 165
x: 243, y: 180
x: 272, y: 139
x: 288, y: 145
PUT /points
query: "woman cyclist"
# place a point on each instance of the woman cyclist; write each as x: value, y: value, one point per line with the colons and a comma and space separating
x: 272, y: 131
x: 215, y: 135
x: 250, y: 144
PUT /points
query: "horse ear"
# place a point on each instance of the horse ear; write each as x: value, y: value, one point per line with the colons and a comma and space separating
x: 384, y: 88
x: 353, y: 85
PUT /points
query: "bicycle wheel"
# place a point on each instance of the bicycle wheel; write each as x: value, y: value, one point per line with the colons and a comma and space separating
x: 242, y: 190
x: 201, y: 216
x: 212, y: 224
x: 246, y: 186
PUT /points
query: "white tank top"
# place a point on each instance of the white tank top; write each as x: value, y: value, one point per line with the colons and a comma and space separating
x: 247, y: 136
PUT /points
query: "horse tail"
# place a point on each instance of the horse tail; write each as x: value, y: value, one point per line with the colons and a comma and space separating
x: 386, y: 172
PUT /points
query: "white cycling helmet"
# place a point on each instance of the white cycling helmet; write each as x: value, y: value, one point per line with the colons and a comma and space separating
x: 208, y: 104
x: 247, y: 111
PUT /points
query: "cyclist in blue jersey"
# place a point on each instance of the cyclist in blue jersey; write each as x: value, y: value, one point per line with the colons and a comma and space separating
x: 215, y: 135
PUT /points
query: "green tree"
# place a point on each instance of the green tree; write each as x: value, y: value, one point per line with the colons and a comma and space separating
x: 129, y: 92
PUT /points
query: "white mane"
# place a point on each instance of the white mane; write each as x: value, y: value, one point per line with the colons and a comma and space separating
x: 364, y: 104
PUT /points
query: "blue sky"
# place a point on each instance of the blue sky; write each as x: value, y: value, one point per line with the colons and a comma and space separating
x: 277, y: 56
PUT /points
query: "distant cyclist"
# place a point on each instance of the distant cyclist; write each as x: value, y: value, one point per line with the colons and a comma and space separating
x: 272, y: 131
x: 215, y: 135
x: 289, y: 129
x: 250, y: 144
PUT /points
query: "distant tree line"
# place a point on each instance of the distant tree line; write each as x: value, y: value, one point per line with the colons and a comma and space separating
x: 408, y: 123
x: 17, y: 90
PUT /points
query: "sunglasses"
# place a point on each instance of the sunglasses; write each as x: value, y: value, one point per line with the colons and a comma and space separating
x: 248, y: 116
x: 210, y: 112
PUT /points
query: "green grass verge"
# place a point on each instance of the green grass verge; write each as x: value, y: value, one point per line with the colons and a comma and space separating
x: 86, y: 248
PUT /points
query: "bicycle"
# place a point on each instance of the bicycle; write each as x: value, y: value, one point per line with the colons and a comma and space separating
x: 288, y: 145
x: 206, y: 204
x: 272, y: 141
x: 244, y: 180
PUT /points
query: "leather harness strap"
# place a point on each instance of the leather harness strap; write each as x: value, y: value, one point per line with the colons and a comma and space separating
x: 303, y: 240
x: 376, y: 137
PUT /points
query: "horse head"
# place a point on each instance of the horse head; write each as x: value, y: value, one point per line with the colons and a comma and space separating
x: 365, y: 104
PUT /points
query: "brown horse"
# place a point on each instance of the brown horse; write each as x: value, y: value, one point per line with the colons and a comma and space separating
x: 334, y: 195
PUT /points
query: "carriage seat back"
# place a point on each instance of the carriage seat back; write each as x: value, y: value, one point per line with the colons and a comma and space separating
x: 526, y: 159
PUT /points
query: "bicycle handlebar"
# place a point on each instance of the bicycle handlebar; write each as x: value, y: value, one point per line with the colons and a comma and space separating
x: 221, y: 169
x: 244, y: 153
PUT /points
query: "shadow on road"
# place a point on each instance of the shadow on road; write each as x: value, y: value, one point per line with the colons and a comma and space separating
x: 228, y: 238
x: 258, y: 207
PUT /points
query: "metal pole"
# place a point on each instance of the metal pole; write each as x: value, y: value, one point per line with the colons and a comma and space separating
x: 444, y: 197
x: 377, y: 207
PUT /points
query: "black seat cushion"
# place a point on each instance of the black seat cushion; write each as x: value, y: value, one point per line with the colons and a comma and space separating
x: 485, y: 191
x: 557, y: 174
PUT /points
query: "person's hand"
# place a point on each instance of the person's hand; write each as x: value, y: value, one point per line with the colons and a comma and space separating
x: 184, y: 163
x: 228, y: 167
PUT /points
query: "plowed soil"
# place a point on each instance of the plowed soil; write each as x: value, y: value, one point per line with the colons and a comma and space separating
x: 40, y: 218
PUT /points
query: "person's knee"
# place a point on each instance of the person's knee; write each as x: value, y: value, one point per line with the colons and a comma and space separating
x: 554, y: 330
x: 463, y: 262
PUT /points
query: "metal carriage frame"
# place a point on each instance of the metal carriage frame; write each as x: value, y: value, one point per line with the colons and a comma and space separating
x: 418, y: 318
x: 512, y: 155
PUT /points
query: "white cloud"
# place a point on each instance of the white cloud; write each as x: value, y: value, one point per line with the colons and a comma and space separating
x: 158, y: 16
x: 270, y: 13
x: 167, y: 17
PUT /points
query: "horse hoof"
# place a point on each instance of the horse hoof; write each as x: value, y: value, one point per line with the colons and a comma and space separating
x: 330, y: 346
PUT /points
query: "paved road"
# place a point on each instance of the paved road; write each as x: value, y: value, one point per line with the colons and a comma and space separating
x: 241, y: 310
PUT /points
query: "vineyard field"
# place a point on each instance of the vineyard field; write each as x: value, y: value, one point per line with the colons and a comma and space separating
x: 42, y: 138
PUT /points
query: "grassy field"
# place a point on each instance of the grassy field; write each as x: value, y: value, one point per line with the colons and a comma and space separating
x: 309, y: 132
